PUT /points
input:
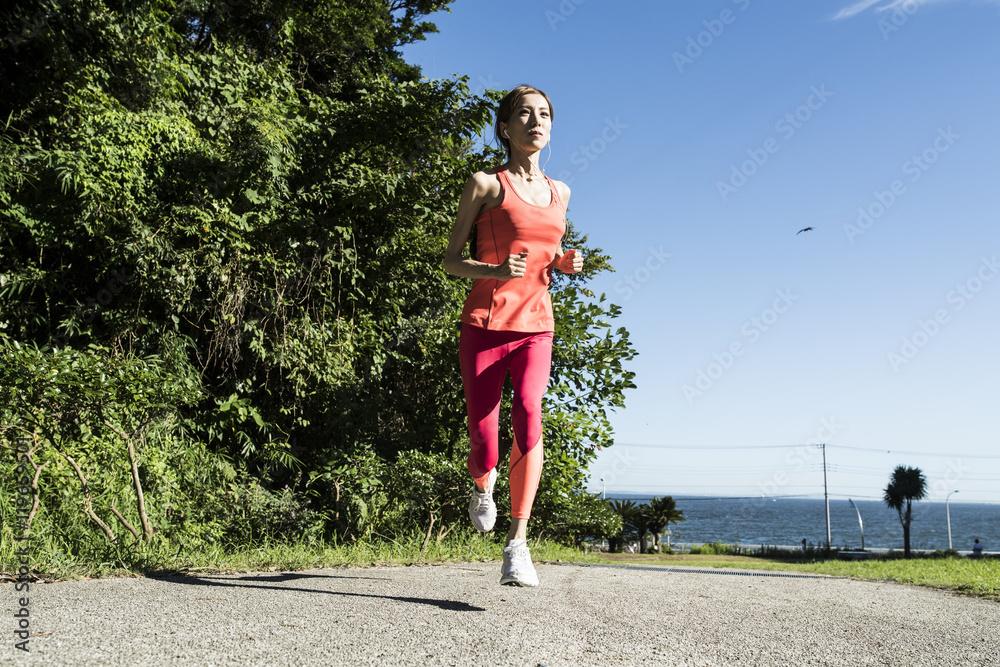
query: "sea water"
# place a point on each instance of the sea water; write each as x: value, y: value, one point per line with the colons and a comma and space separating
x: 788, y: 521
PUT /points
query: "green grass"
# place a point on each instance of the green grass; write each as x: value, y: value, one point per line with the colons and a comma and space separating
x: 152, y: 559
x: 980, y: 578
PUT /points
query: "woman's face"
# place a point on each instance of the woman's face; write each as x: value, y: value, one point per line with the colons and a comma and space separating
x: 531, y: 122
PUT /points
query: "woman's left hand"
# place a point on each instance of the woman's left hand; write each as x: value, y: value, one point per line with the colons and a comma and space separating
x: 571, y: 262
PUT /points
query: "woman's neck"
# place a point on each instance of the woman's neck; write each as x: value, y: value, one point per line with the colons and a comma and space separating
x: 524, y: 166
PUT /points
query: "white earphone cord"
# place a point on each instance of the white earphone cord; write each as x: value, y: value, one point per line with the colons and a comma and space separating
x: 542, y: 168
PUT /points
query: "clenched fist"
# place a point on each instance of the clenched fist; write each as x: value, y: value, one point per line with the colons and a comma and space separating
x: 570, y: 262
x: 513, y: 267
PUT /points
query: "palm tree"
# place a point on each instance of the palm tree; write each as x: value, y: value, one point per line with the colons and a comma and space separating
x: 641, y: 524
x: 906, y: 485
x: 628, y: 511
x: 660, y: 513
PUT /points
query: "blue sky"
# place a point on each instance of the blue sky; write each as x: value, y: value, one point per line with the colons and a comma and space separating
x: 698, y: 138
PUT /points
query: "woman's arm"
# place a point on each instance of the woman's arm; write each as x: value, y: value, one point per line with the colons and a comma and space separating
x: 570, y: 261
x: 476, y: 193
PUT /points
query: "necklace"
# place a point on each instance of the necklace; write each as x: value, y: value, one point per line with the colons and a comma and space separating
x: 531, y: 176
x: 528, y: 177
x: 528, y: 182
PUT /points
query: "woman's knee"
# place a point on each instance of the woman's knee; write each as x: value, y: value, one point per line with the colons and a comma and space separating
x: 483, y: 437
x: 527, y: 407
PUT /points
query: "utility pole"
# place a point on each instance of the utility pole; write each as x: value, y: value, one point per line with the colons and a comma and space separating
x: 826, y: 497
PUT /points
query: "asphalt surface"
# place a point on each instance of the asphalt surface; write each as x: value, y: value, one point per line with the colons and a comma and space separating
x: 457, y: 614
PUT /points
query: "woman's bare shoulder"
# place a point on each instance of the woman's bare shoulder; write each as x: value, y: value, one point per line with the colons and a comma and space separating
x: 486, y: 178
x: 484, y: 183
x: 564, y: 191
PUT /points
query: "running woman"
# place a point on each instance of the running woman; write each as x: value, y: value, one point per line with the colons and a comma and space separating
x: 519, y: 217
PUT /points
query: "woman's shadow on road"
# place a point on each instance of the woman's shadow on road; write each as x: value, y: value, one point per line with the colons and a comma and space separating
x: 268, y: 581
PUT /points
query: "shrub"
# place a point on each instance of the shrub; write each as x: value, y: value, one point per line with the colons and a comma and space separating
x: 716, y: 548
x: 275, y: 515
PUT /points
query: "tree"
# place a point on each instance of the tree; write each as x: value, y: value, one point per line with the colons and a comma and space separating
x: 628, y: 511
x: 641, y: 524
x: 250, y: 189
x: 660, y: 513
x: 906, y: 485
x: 258, y: 195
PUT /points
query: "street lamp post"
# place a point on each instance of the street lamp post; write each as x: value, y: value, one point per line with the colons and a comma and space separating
x: 602, y: 489
x: 947, y: 511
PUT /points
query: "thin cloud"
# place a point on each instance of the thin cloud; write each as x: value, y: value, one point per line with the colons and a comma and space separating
x: 897, y: 3
x: 858, y: 7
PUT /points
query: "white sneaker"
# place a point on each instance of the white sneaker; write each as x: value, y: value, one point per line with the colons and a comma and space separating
x: 482, y: 509
x: 517, y: 569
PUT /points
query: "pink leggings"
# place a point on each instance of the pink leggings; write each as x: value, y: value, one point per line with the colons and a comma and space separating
x: 485, y: 357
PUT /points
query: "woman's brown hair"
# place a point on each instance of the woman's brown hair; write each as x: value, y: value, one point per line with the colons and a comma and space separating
x: 507, y: 106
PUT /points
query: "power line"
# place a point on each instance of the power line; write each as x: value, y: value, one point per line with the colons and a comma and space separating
x: 702, y: 486
x: 862, y: 449
x: 634, y: 496
x: 630, y: 444
x: 911, y: 453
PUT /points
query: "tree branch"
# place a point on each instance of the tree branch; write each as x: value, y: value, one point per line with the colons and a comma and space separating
x: 147, y: 528
x: 132, y: 530
x: 88, y: 506
x: 427, y: 538
x: 35, y: 502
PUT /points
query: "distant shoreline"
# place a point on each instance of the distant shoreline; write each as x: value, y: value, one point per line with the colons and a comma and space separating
x: 647, y: 496
x: 775, y: 521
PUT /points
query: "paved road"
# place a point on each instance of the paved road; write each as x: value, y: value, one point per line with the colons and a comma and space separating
x: 457, y: 614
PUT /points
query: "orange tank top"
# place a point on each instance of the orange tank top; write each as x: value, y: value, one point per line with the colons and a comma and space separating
x: 519, y: 304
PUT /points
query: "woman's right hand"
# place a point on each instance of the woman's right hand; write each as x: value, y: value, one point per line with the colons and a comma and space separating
x: 513, y: 267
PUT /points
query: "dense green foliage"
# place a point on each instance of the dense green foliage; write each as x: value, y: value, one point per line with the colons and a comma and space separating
x: 221, y: 300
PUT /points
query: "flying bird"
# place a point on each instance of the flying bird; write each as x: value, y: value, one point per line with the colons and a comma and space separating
x: 807, y: 229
